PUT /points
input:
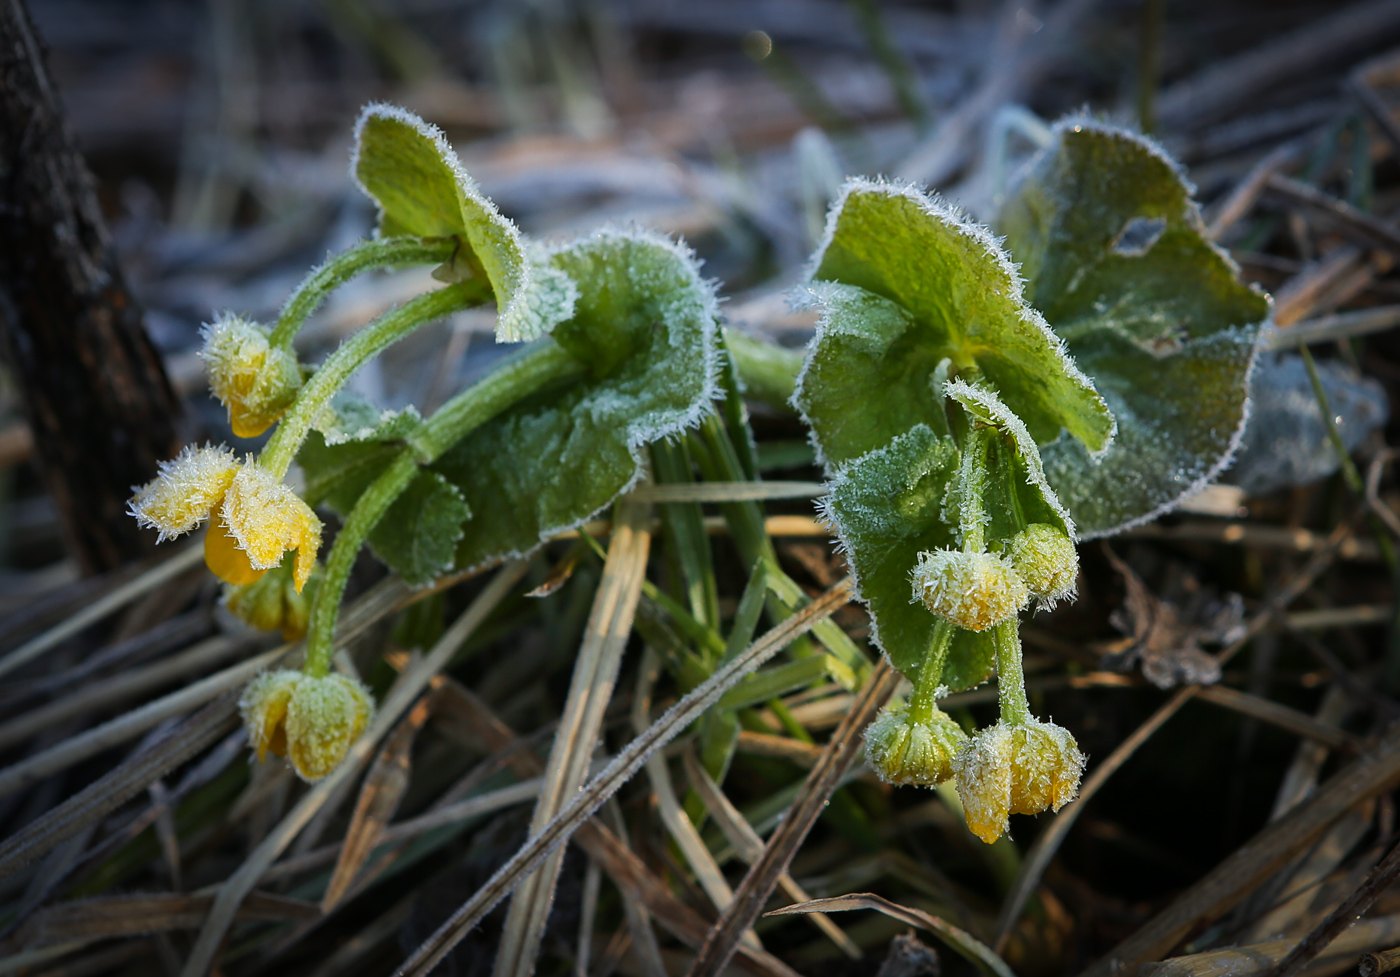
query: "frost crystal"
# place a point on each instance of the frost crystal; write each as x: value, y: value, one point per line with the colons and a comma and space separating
x: 972, y: 590
x: 185, y: 491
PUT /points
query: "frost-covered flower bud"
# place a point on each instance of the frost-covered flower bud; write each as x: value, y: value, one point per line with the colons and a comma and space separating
x: 272, y: 603
x: 186, y: 490
x: 1015, y: 769
x: 259, y: 520
x: 255, y: 380
x: 1046, y: 560
x: 972, y: 590
x: 312, y: 721
x: 903, y: 751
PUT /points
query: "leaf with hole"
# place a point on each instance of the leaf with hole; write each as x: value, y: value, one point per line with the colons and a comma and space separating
x: 1116, y: 258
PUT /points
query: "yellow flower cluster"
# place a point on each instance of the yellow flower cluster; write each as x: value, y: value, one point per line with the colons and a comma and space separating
x: 255, y: 380
x: 972, y: 590
x: 311, y: 721
x: 255, y: 518
x: 1020, y: 768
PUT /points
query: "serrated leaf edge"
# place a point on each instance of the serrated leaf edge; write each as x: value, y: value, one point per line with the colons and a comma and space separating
x: 712, y: 389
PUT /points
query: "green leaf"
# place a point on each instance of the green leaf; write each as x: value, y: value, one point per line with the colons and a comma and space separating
x: 645, y: 324
x: 904, y: 285
x: 888, y: 506
x: 353, y: 442
x: 408, y: 168
x: 417, y: 537
x: 1116, y: 257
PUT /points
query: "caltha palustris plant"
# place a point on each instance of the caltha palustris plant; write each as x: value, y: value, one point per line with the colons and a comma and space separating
x: 622, y: 352
x: 981, y: 403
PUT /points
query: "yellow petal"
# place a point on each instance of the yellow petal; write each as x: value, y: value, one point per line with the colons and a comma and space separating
x: 185, y: 491
x: 222, y: 555
x: 268, y: 518
x: 255, y: 380
x: 264, y: 708
x: 983, y: 768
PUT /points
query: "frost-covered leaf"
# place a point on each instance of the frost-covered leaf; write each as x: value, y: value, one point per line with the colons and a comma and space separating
x: 645, y: 326
x: 1019, y: 492
x: 417, y: 537
x: 916, y: 285
x: 349, y: 417
x: 407, y: 167
x: 1115, y: 257
x: 888, y: 507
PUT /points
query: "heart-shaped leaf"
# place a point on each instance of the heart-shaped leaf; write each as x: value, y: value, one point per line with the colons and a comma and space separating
x: 916, y: 285
x: 417, y: 537
x: 1116, y: 257
x: 645, y: 326
x: 407, y: 167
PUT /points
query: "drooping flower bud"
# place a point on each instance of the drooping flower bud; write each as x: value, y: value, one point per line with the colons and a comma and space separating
x: 1046, y: 560
x: 186, y: 490
x: 972, y: 590
x: 903, y: 751
x: 255, y: 380
x: 263, y: 518
x: 1015, y: 769
x: 312, y: 721
x: 272, y: 603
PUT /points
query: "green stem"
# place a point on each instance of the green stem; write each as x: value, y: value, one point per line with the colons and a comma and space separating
x: 924, y: 702
x: 1011, y: 681
x: 340, y: 268
x: 354, y: 353
x: 453, y: 421
x: 972, y: 489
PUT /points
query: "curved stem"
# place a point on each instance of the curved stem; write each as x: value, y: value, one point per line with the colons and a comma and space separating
x: 354, y: 353
x: 340, y: 268
x: 1011, y: 681
x: 923, y: 703
x: 471, y: 408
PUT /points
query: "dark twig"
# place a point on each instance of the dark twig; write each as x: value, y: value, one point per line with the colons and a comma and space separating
x: 1341, y: 918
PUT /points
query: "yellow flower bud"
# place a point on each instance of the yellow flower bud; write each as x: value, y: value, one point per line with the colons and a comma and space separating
x: 185, y: 491
x: 273, y: 603
x: 972, y: 590
x: 903, y: 751
x: 265, y: 518
x: 312, y: 721
x: 255, y: 380
x: 1015, y: 769
x: 1046, y: 560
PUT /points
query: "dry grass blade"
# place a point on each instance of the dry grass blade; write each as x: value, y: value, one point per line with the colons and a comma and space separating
x: 1376, y: 771
x: 967, y: 945
x: 118, y: 687
x: 1342, y: 918
x: 617, y: 773
x: 749, y: 845
x: 184, y: 560
x: 410, y: 683
x: 1253, y: 960
x: 117, y: 916
x: 590, y: 689
x: 34, y: 768
x: 762, y: 877
x: 379, y: 798
x: 1358, y: 225
x: 1278, y: 715
x: 1339, y: 325
x: 114, y: 789
x: 1242, y: 199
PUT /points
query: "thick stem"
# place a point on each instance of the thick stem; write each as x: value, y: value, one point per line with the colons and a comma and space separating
x: 462, y: 414
x: 354, y: 353
x: 340, y: 268
x: 1011, y: 681
x: 923, y: 703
